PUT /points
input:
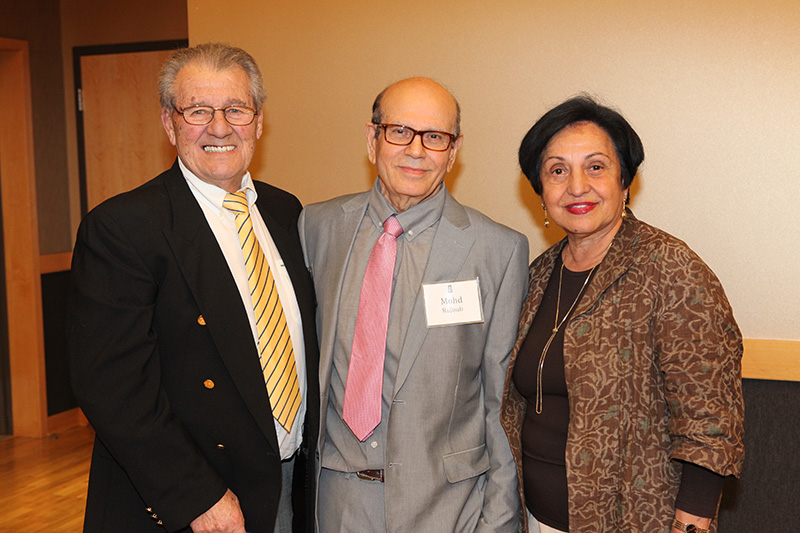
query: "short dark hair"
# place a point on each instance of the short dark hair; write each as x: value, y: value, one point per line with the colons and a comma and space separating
x: 217, y: 56
x: 583, y: 108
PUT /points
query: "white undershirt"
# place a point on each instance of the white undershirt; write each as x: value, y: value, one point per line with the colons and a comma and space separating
x: 223, y: 224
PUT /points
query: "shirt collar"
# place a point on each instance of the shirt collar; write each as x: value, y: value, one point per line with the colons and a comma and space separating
x: 215, y: 195
x: 415, y: 220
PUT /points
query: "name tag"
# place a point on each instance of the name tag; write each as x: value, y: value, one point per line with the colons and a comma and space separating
x: 453, y: 302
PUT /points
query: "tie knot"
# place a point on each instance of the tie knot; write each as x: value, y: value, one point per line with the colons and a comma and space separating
x: 392, y: 227
x: 236, y: 202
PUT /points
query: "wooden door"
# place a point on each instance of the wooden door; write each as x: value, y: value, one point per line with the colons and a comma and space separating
x: 124, y: 144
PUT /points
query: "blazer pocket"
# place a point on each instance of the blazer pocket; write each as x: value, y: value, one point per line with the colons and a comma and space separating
x: 466, y: 464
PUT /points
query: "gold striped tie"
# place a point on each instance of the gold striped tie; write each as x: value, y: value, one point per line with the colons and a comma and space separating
x: 275, y: 350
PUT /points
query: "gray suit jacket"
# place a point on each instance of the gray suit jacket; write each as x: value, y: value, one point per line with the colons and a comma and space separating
x: 448, y: 463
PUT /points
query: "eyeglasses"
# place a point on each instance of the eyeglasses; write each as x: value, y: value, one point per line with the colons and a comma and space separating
x: 400, y: 135
x: 200, y: 115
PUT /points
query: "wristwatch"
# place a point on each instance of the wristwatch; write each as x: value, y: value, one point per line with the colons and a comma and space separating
x: 688, y: 528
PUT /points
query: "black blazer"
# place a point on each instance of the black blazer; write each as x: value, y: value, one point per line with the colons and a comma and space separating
x: 164, y: 365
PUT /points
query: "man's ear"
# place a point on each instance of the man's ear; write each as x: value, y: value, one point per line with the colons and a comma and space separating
x: 453, y: 151
x: 370, y: 130
x: 169, y: 125
x: 259, y: 125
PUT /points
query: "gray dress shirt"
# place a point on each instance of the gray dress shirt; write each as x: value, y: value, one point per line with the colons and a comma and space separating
x: 343, y: 451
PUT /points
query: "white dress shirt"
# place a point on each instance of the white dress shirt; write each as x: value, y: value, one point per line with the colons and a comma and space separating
x: 223, y: 224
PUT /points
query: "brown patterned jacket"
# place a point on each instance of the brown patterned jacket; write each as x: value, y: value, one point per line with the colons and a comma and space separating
x: 652, y: 361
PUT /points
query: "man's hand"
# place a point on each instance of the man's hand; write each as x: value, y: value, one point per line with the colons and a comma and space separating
x: 224, y: 517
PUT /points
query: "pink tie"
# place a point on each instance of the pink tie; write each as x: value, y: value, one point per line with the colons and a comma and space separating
x: 362, y: 394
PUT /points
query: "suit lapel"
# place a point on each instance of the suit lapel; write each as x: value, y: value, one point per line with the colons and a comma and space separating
x: 336, y: 263
x: 279, y: 225
x: 449, y: 250
x: 207, y: 274
x: 281, y: 231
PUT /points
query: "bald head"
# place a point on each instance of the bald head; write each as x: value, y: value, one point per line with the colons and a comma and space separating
x: 419, y: 86
x: 412, y: 172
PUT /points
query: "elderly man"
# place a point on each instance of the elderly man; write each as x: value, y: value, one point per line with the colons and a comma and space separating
x: 418, y: 304
x: 192, y: 332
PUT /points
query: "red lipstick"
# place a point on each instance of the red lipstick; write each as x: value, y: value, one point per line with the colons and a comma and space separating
x: 580, y: 208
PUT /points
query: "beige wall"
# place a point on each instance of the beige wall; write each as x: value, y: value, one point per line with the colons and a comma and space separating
x: 712, y: 87
x: 100, y: 22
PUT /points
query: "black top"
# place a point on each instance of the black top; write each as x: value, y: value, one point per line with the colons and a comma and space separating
x: 544, y: 436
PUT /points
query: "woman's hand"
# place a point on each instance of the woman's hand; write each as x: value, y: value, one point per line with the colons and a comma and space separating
x: 687, y: 518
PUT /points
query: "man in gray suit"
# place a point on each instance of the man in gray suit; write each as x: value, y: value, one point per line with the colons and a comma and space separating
x: 435, y: 457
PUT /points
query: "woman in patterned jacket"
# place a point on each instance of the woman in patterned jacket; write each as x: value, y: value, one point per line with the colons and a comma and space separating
x: 623, y: 401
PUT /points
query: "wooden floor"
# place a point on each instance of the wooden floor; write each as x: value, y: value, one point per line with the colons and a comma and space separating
x: 43, y: 482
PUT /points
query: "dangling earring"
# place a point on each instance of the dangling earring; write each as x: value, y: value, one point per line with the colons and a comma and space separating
x: 624, y: 212
x: 546, y: 222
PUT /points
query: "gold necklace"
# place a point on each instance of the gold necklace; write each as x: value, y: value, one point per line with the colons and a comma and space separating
x: 556, y: 326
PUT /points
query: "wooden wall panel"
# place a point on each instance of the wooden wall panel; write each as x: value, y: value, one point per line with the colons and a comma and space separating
x: 21, y: 241
x: 771, y: 359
